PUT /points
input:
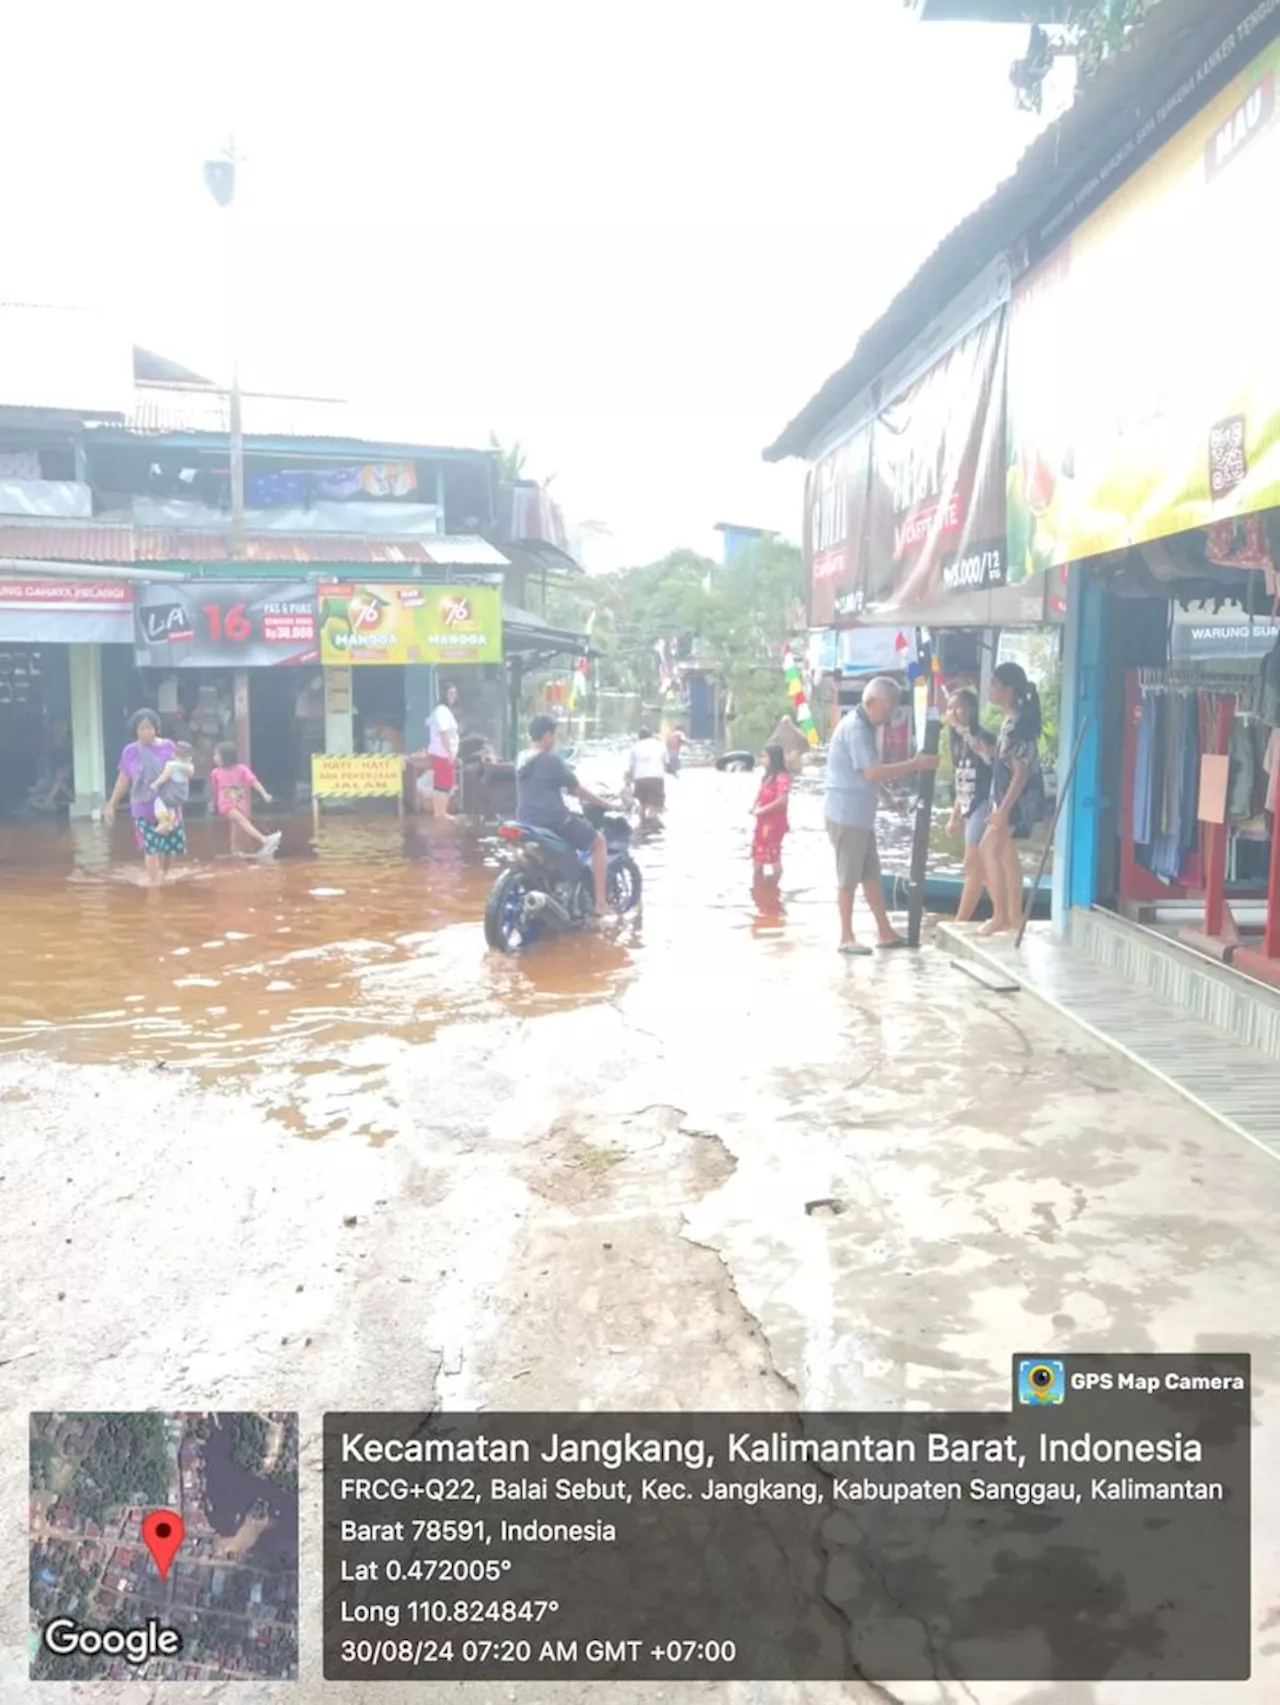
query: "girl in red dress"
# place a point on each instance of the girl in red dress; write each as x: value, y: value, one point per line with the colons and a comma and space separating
x: 770, y: 812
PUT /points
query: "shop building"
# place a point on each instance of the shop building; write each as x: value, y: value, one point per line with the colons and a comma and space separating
x: 1078, y: 407
x: 125, y: 586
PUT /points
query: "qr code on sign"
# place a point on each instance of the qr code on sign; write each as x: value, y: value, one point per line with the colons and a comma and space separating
x: 1228, y: 463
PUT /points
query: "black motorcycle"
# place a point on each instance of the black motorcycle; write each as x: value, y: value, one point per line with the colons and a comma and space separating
x: 547, y: 888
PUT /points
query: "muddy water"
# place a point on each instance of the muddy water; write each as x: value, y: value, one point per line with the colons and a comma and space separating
x: 356, y: 938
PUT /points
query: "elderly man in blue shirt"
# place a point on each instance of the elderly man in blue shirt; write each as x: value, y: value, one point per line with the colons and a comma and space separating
x: 855, y: 775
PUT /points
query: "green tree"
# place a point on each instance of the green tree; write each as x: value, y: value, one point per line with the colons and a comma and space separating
x: 510, y: 457
x: 512, y: 462
x: 733, y: 619
x: 757, y: 606
x: 1099, y: 31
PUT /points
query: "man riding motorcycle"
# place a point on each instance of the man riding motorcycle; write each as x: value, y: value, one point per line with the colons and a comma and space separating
x: 542, y: 780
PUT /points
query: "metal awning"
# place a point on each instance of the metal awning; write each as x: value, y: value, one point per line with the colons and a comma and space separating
x: 529, y: 637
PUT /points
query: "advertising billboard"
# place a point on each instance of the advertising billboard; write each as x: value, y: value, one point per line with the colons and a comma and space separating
x: 224, y: 624
x: 1144, y: 376
x: 410, y: 623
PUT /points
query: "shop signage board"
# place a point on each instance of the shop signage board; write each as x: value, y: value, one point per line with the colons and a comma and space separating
x: 1144, y: 373
x: 225, y: 624
x: 410, y: 623
x: 905, y: 520
x: 356, y: 775
x: 66, y: 612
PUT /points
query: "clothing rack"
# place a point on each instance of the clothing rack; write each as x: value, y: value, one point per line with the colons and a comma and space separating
x: 1236, y: 695
x: 1243, y: 688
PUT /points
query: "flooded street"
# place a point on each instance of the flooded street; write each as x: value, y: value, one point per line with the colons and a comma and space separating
x: 288, y: 1136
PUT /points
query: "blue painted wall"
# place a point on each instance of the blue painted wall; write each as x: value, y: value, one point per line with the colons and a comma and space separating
x: 736, y: 539
x: 1084, y: 684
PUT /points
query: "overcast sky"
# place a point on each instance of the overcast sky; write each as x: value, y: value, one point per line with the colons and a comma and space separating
x: 637, y: 238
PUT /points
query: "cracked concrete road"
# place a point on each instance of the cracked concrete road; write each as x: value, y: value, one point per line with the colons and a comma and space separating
x: 392, y: 1172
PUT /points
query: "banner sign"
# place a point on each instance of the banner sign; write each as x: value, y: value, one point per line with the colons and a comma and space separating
x: 356, y: 775
x: 413, y: 623
x: 1144, y: 379
x: 225, y: 624
x: 66, y: 612
x: 905, y: 522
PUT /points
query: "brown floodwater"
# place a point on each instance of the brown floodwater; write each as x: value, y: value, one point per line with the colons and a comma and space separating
x: 231, y: 1492
x: 360, y: 937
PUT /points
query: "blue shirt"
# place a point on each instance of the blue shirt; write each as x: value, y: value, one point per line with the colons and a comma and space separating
x: 852, y: 800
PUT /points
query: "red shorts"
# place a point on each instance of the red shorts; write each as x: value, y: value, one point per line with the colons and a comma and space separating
x: 444, y: 775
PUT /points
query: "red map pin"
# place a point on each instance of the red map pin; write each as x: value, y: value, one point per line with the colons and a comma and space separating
x: 162, y: 1534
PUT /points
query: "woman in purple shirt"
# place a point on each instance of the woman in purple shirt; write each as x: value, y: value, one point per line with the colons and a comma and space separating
x: 140, y: 765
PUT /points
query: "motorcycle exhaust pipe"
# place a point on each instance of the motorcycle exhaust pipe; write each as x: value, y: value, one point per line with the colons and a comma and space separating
x: 540, y: 902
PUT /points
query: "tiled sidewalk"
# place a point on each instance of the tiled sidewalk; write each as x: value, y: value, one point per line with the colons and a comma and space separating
x: 1237, y: 1085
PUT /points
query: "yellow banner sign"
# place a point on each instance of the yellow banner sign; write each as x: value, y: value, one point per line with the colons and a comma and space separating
x: 386, y: 623
x: 351, y: 775
x: 1144, y: 372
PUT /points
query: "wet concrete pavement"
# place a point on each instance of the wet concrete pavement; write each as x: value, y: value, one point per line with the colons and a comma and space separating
x: 390, y: 1169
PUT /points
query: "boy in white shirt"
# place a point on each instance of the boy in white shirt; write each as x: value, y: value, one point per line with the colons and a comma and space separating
x: 647, y: 775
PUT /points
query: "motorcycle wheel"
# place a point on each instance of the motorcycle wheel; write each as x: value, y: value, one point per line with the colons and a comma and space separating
x: 502, y: 929
x: 624, y: 885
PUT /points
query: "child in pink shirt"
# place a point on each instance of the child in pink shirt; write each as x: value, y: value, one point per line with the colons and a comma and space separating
x: 231, y: 789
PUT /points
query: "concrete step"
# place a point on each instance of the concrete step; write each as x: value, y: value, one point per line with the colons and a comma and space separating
x: 1234, y: 1083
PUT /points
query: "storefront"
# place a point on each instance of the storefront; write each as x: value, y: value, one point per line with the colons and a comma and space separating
x: 907, y: 530
x: 234, y: 662
x: 391, y: 648
x: 53, y: 635
x: 1149, y: 453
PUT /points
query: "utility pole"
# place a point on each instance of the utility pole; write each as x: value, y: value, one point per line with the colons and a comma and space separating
x: 220, y: 180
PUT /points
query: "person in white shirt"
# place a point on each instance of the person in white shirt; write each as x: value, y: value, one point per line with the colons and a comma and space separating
x: 441, y: 776
x: 647, y: 775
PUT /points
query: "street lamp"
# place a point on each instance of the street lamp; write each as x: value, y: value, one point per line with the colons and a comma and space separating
x: 220, y: 181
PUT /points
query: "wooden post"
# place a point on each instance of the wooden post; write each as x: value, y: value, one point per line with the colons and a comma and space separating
x: 923, y: 828
x: 244, y: 732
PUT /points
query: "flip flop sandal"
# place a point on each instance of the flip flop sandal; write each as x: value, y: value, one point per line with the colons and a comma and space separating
x: 888, y: 946
x: 855, y: 950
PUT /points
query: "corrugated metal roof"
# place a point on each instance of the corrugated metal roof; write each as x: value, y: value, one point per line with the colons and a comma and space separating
x: 1172, y: 45
x: 181, y: 410
x: 112, y: 543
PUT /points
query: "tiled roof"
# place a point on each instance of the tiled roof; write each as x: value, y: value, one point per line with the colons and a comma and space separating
x: 108, y: 542
x: 66, y: 541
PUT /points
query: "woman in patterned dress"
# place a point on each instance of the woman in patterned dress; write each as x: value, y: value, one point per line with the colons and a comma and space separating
x: 140, y: 765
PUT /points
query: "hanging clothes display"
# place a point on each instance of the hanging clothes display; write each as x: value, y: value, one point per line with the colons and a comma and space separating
x: 1167, y: 780
x: 1178, y: 719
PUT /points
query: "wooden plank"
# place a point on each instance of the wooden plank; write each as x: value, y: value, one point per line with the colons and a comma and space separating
x: 989, y: 979
x: 923, y: 829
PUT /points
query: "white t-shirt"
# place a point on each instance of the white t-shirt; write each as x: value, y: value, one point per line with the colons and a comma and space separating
x: 442, y: 733
x: 648, y: 760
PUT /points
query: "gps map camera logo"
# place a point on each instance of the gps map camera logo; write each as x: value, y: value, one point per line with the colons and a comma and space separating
x: 1041, y: 1382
